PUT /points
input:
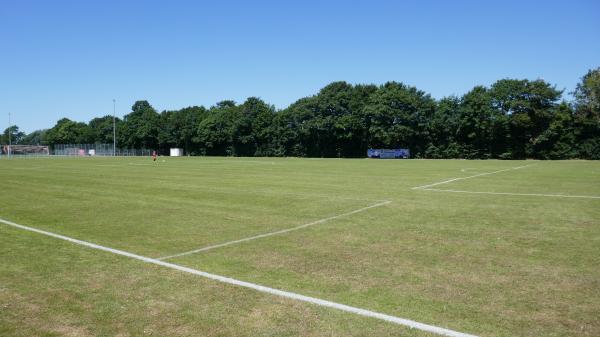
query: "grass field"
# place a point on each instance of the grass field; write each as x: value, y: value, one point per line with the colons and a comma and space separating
x: 521, y: 257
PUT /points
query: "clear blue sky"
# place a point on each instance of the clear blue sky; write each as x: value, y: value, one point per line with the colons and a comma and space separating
x: 70, y: 59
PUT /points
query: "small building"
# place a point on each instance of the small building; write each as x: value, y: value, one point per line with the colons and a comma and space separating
x: 176, y: 152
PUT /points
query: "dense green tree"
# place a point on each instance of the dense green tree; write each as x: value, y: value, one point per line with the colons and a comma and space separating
x: 178, y: 128
x: 329, y: 124
x: 314, y: 120
x: 13, y: 135
x: 285, y: 128
x: 397, y: 116
x: 510, y: 119
x: 216, y: 131
x: 37, y: 137
x: 101, y: 129
x: 140, y: 127
x: 443, y: 130
x: 482, y: 130
x: 587, y: 92
x: 587, y: 115
x: 331, y: 128
x: 252, y: 132
x: 558, y: 140
x: 189, y: 119
x: 67, y: 131
x: 351, y: 127
x: 530, y: 106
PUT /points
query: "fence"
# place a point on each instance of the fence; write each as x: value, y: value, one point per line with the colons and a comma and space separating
x: 96, y: 150
x: 24, y: 150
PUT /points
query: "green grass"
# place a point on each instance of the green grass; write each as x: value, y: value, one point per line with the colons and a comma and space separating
x: 491, y: 265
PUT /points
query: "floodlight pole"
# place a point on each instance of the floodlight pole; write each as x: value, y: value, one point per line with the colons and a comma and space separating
x: 114, y: 130
x: 9, y: 137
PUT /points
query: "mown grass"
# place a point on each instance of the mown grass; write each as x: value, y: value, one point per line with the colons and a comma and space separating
x: 53, y: 288
x: 483, y: 264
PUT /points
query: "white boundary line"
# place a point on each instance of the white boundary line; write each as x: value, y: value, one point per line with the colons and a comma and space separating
x: 517, y: 194
x: 428, y: 187
x: 272, y: 291
x: 287, y: 230
x: 469, y: 177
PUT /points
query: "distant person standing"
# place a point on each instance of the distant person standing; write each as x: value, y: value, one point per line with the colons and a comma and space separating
x: 153, y: 155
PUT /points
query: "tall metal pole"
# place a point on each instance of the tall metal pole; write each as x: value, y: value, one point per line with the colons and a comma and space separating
x: 9, y: 137
x: 114, y: 130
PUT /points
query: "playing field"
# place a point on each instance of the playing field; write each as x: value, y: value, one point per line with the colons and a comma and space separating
x: 276, y: 247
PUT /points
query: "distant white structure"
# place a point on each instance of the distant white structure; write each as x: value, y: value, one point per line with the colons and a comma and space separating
x: 176, y: 152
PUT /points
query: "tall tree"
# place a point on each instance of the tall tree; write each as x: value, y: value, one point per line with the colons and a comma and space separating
x: 13, y: 134
x: 397, y: 116
x: 101, y: 129
x: 216, y: 131
x: 511, y: 119
x: 67, y: 131
x: 252, y: 133
x: 482, y: 129
x: 530, y: 106
x: 443, y: 130
x: 558, y: 140
x: 178, y: 129
x: 37, y: 137
x: 587, y: 115
x: 187, y: 125
x: 140, y: 127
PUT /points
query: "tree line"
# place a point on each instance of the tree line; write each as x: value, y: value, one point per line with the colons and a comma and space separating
x: 511, y: 119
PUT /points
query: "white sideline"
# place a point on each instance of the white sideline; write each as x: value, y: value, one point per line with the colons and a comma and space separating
x: 260, y: 236
x: 517, y: 194
x: 469, y: 177
x: 272, y: 291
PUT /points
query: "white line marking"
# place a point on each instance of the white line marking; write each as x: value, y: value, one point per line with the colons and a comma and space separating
x: 260, y: 236
x: 469, y: 169
x: 469, y: 177
x: 517, y: 194
x: 272, y: 291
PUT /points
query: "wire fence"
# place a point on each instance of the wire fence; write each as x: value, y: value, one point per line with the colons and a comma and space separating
x: 24, y: 151
x: 96, y: 150
x: 75, y: 150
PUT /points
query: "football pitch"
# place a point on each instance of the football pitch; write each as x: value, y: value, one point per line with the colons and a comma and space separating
x: 212, y: 246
